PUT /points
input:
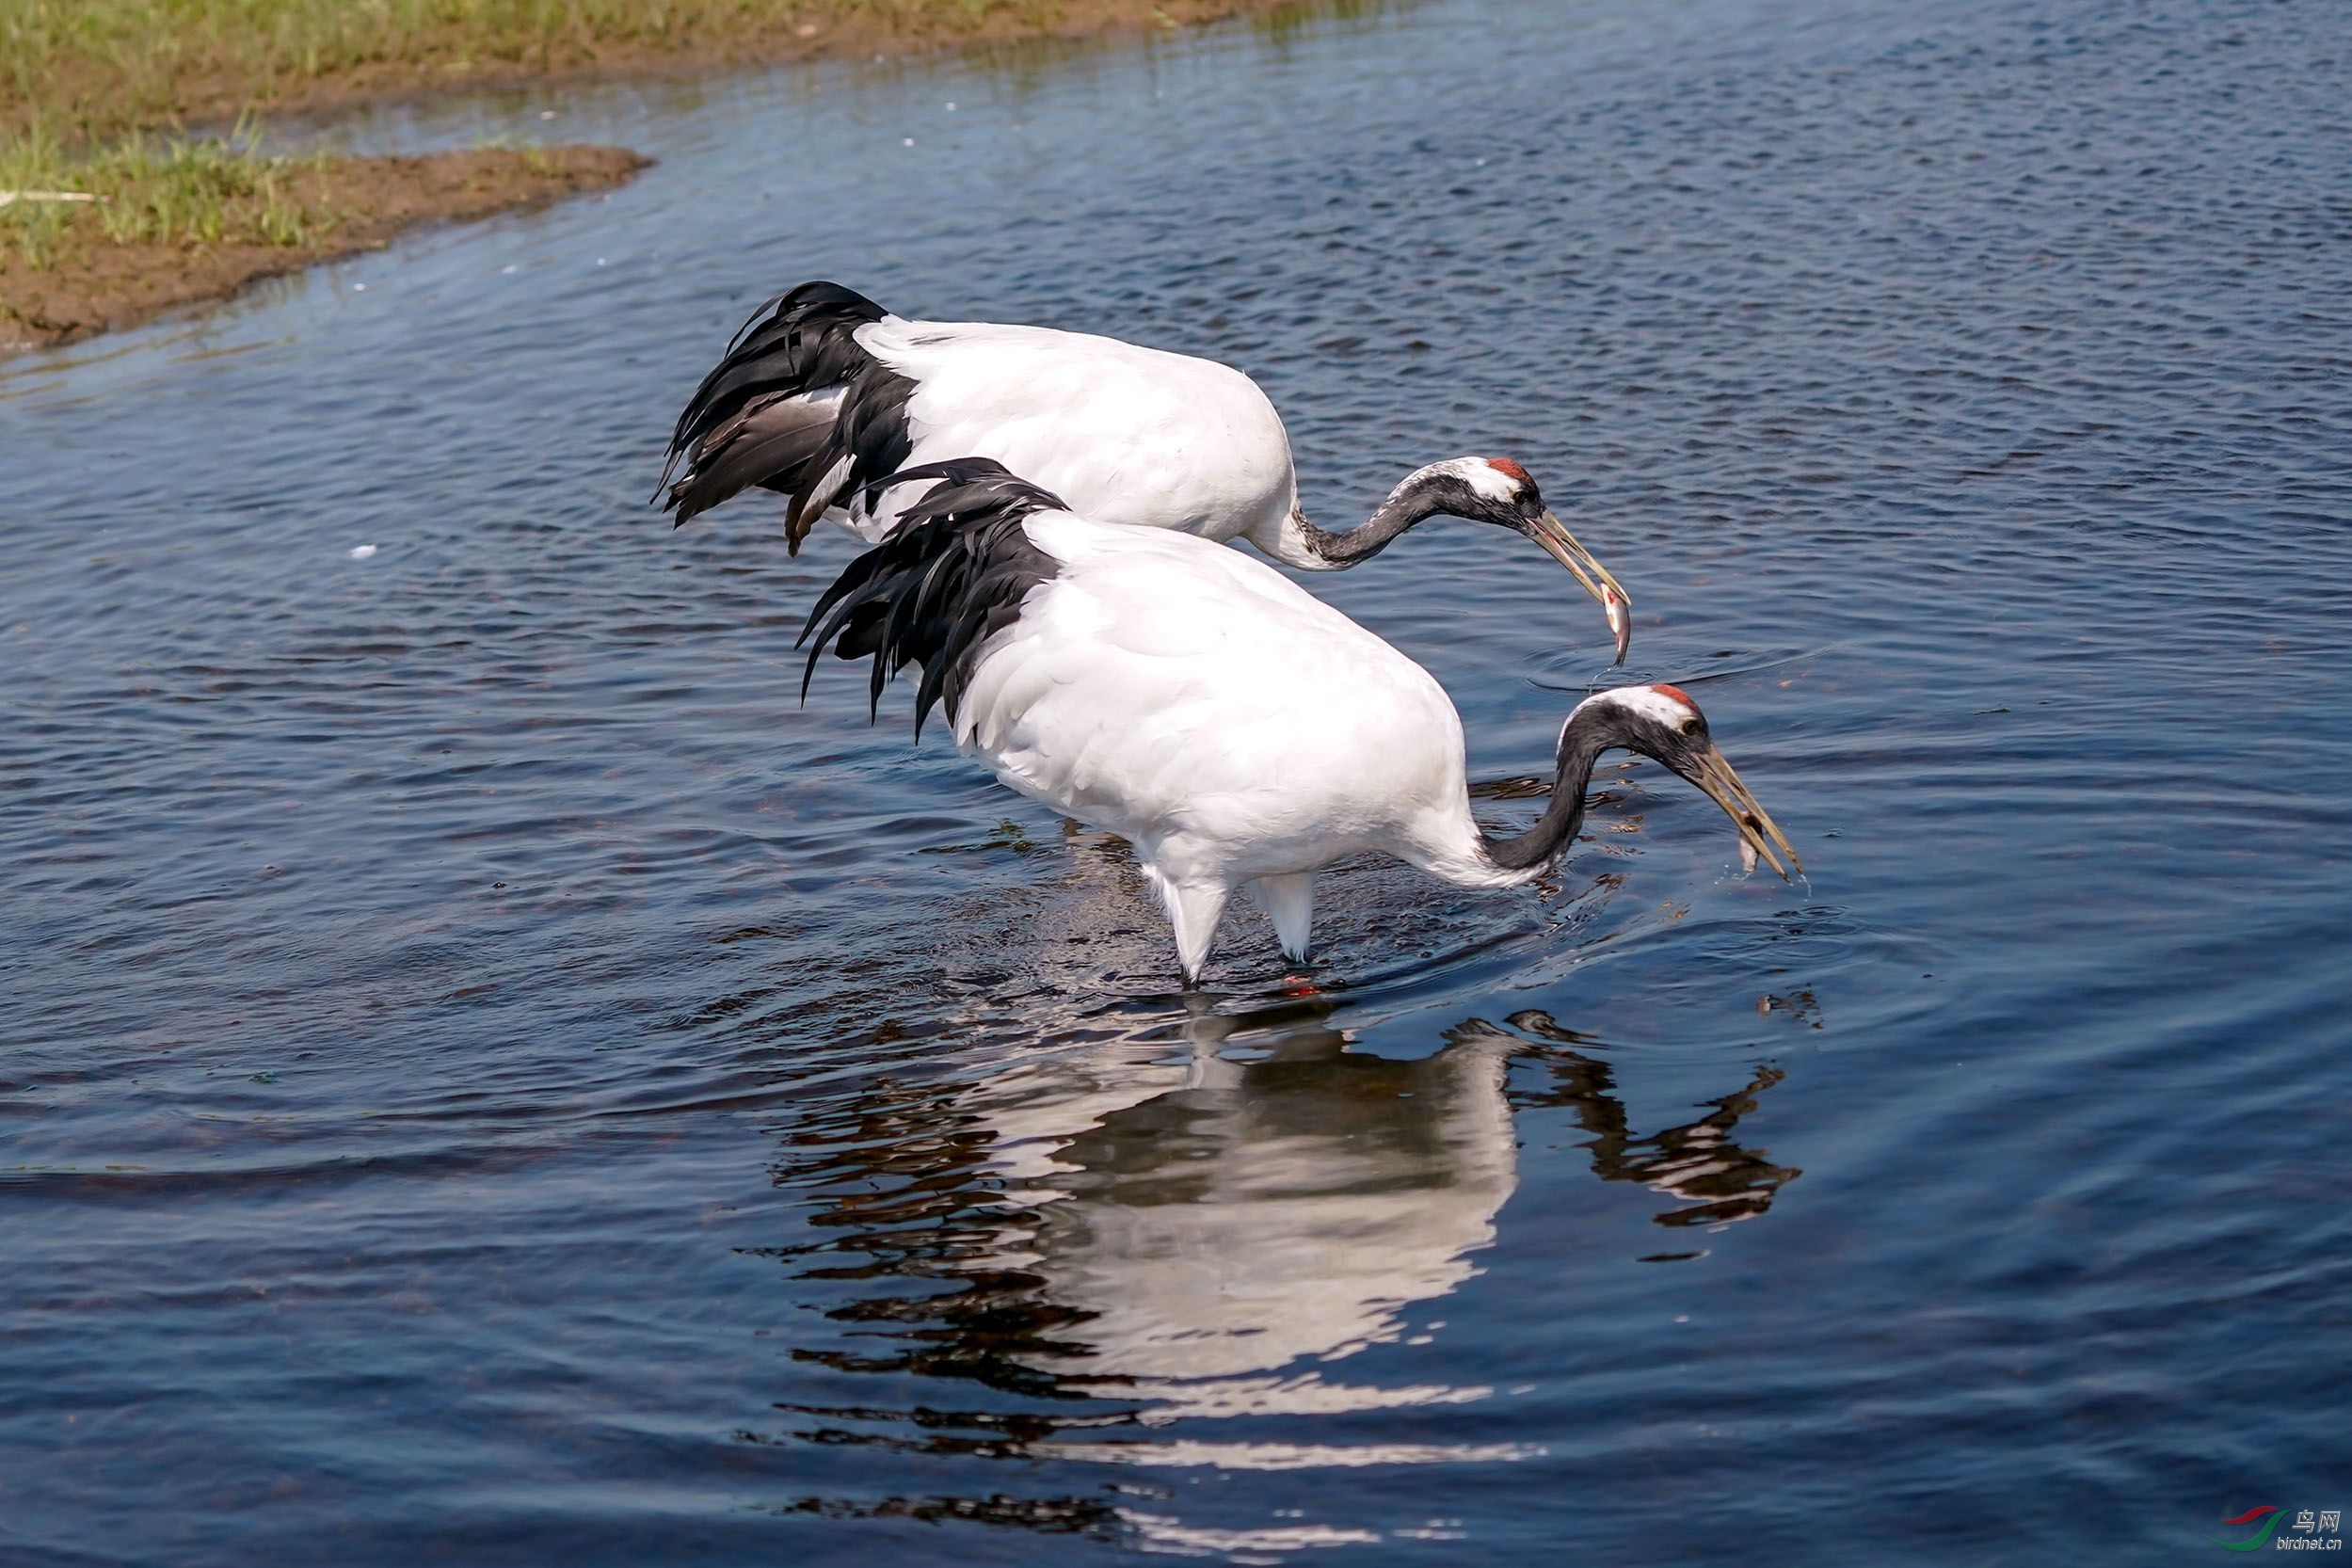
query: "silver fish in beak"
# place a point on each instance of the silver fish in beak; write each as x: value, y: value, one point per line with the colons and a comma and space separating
x: 1758, y: 833
x: 1552, y: 534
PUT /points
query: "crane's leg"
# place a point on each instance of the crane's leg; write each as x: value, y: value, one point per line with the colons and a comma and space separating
x: 1193, y: 909
x: 1291, y: 901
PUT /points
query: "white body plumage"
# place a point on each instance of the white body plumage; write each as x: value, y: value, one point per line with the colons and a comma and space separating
x: 1123, y: 433
x: 1133, y: 694
x: 1236, y: 730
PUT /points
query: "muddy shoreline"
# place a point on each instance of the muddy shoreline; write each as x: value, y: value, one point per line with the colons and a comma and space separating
x: 98, y: 284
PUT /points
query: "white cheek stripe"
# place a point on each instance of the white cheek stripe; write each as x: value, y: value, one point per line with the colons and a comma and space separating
x: 1647, y: 701
x: 1488, y: 480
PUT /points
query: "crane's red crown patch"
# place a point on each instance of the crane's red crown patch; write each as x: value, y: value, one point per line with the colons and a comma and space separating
x: 1505, y: 465
x: 1675, y: 691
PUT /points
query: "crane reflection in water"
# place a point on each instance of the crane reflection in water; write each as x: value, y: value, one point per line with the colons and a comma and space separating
x: 1134, y: 1231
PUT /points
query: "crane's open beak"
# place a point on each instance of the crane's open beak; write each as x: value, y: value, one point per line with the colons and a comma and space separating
x: 1711, y: 773
x: 1553, y: 534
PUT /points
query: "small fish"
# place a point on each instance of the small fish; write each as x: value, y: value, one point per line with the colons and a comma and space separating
x: 1747, y: 854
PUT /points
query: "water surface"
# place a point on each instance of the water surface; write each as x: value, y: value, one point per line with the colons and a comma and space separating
x: 489, y: 1078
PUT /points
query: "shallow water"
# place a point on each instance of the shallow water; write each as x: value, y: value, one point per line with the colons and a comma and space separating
x: 489, y: 1078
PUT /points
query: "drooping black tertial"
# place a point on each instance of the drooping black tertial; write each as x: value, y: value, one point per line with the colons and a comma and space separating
x: 796, y: 407
x: 954, y: 572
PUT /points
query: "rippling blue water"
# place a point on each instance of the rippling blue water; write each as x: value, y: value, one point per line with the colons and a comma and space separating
x: 489, y: 1078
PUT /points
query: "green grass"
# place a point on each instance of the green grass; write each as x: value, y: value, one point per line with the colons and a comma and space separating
x: 92, y: 69
x: 86, y: 84
x: 89, y: 87
x: 153, y: 191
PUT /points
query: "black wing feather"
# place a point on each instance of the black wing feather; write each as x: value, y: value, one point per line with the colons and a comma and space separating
x: 954, y: 574
x: 743, y: 427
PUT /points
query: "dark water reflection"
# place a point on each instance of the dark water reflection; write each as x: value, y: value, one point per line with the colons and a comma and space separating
x: 1138, y: 1251
x: 1178, y: 1227
x: 485, y: 1077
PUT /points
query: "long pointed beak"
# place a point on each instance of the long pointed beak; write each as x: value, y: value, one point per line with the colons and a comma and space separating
x: 1714, y: 775
x: 1598, y: 581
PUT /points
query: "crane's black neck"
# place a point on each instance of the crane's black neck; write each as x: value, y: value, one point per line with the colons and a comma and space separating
x: 1409, y: 504
x: 1589, y: 732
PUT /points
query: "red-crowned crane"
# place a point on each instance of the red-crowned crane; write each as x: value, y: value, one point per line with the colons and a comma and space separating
x: 1236, y: 730
x: 824, y: 393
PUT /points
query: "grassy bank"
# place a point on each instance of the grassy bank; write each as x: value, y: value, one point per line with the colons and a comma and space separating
x: 90, y: 69
x: 157, y: 190
x: 179, y: 223
x: 117, y: 214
